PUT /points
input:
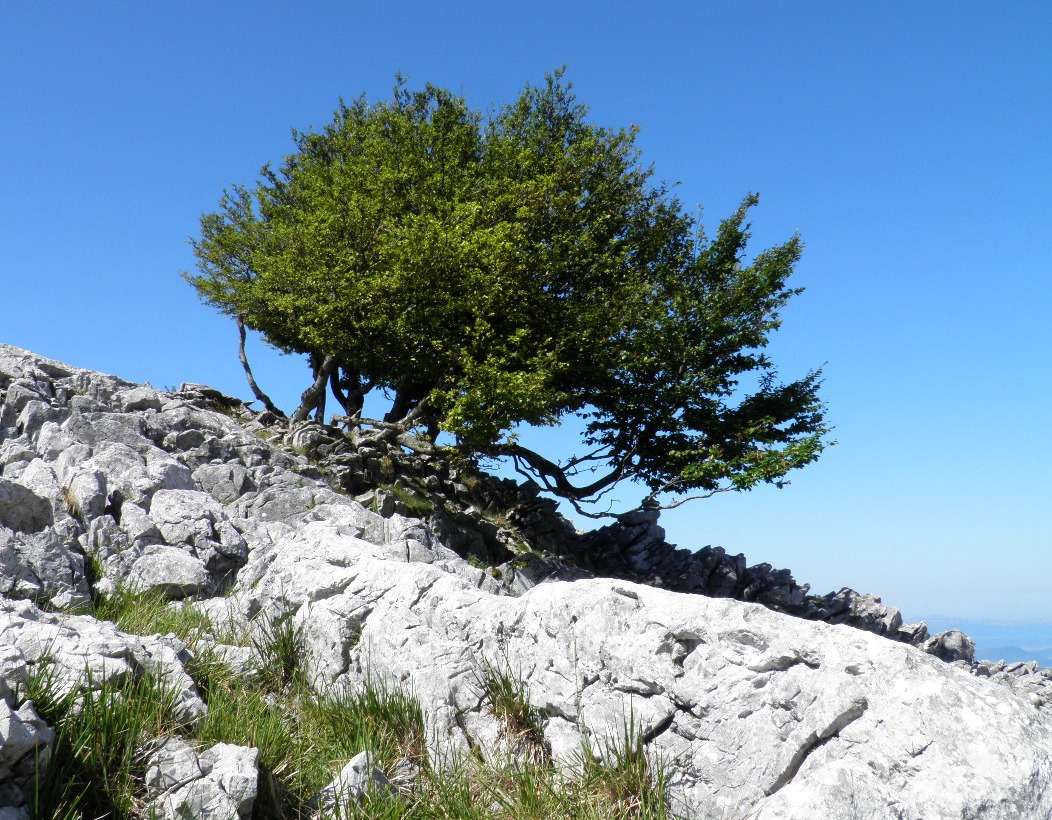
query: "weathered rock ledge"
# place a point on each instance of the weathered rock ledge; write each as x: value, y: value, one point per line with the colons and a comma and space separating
x: 764, y: 700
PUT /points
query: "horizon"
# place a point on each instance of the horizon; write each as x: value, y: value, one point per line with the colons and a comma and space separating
x: 907, y: 146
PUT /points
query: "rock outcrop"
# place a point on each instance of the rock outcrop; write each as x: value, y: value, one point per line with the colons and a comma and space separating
x: 760, y: 699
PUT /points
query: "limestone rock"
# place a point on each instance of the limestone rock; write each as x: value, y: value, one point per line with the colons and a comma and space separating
x: 217, y: 784
x: 350, y: 786
x: 81, y: 650
x: 24, y: 743
x: 21, y: 509
x: 805, y: 706
x: 747, y: 702
x: 41, y: 567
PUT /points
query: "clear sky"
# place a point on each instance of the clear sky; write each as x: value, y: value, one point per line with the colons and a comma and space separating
x: 908, y: 143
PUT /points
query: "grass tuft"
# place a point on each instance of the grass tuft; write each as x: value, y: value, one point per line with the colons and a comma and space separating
x: 622, y: 776
x: 507, y: 695
x: 96, y: 764
x: 149, y: 612
x: 277, y: 643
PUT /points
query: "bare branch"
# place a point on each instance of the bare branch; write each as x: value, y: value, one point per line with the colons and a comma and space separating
x: 259, y: 394
x: 314, y: 395
x: 675, y: 504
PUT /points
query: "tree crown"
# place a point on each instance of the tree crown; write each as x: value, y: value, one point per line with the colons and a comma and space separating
x: 488, y: 271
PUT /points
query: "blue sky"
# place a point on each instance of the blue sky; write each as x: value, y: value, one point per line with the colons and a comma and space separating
x: 907, y: 143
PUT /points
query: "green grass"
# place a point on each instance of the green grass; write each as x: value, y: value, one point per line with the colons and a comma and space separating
x: 624, y: 776
x: 150, y: 612
x: 96, y: 765
x: 417, y: 504
x: 305, y: 739
x: 506, y: 694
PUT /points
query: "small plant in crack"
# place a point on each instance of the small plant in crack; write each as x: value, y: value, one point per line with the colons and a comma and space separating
x: 277, y: 643
x: 507, y: 695
x: 620, y: 770
x: 69, y: 499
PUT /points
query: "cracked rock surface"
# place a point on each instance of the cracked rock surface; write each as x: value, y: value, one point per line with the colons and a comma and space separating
x: 754, y: 712
x: 219, y: 783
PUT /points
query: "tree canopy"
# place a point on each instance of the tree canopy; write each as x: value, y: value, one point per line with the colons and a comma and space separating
x: 485, y: 271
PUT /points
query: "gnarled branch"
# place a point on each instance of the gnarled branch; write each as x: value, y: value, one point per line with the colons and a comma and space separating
x: 259, y: 394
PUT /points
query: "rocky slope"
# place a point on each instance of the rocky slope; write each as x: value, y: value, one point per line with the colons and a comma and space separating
x: 764, y: 701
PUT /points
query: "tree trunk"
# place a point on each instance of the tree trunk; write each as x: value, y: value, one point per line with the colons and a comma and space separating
x: 404, y: 400
x: 349, y: 389
x: 259, y: 394
x: 314, y: 396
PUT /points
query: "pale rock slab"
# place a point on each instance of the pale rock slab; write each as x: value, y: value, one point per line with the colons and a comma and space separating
x: 359, y: 777
x: 23, y: 510
x: 745, y: 703
x: 219, y: 783
x: 24, y: 743
x: 41, y: 566
x: 82, y: 651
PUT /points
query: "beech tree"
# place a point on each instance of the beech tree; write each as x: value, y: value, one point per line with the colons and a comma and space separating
x: 486, y: 271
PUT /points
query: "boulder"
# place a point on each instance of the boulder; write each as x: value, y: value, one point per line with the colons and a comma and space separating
x: 81, y: 650
x: 219, y: 783
x: 742, y: 702
x: 359, y: 777
x: 41, y: 567
x: 22, y: 510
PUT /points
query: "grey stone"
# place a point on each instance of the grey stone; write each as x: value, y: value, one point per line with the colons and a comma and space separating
x: 140, y: 398
x: 186, y: 516
x: 218, y: 784
x: 952, y: 645
x: 41, y: 567
x: 24, y: 738
x: 138, y: 525
x: 93, y: 429
x: 225, y: 482
x: 171, y: 766
x: 16, y: 451
x: 86, y: 494
x: 52, y: 441
x: 22, y: 391
x: 171, y: 570
x: 748, y: 702
x: 35, y: 415
x: 234, y: 768
x: 80, y: 649
x: 23, y: 510
x: 13, y: 670
x: 350, y: 786
x: 197, y: 522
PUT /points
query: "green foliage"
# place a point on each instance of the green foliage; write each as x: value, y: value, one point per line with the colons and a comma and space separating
x: 277, y: 646
x: 624, y: 776
x: 415, y: 502
x: 304, y: 739
x: 488, y: 271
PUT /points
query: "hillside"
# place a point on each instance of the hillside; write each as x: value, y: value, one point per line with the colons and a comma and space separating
x: 180, y: 548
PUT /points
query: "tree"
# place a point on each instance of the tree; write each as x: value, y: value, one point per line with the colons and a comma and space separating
x: 485, y: 272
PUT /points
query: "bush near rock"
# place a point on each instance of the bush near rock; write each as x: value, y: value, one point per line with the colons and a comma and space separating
x: 744, y: 694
